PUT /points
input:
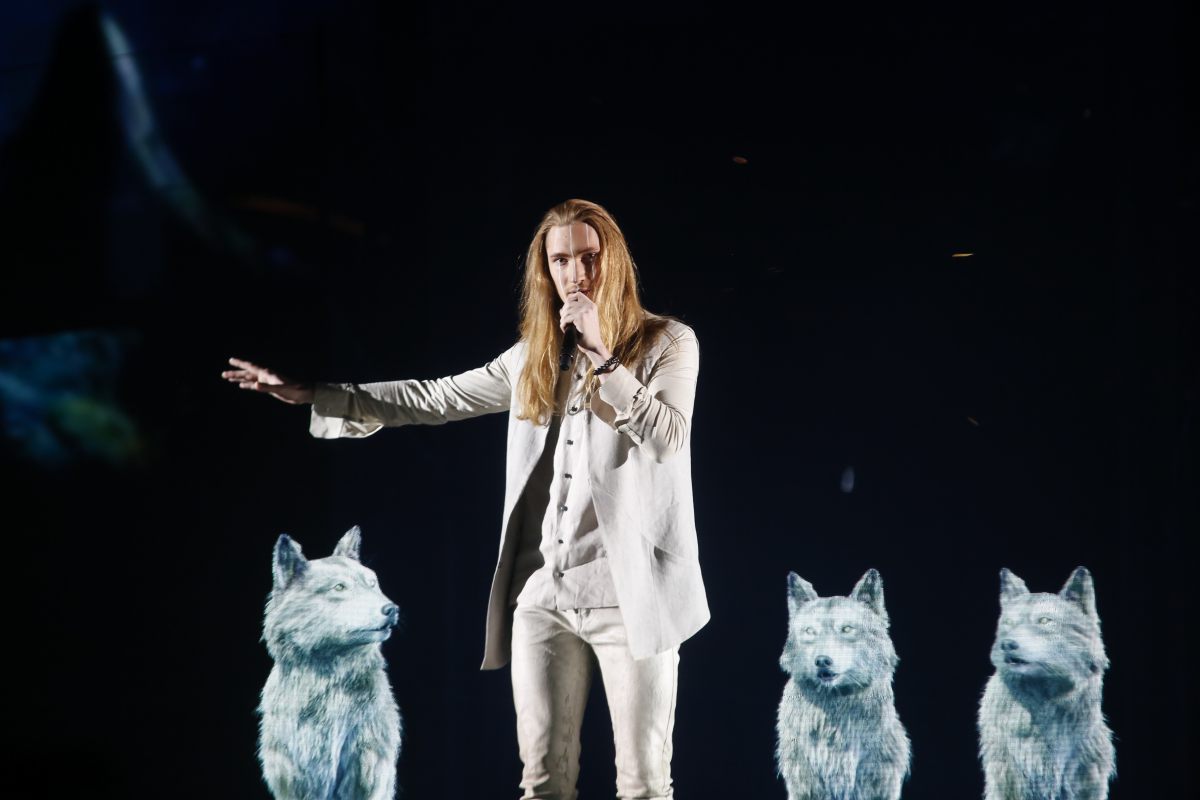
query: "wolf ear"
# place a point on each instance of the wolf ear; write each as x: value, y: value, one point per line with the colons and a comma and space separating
x: 869, y: 591
x: 348, y: 545
x: 1079, y: 589
x: 800, y: 592
x: 289, y: 561
x: 1010, y: 585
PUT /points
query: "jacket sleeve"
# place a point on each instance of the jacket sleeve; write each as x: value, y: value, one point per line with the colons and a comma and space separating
x: 356, y: 410
x: 657, y: 415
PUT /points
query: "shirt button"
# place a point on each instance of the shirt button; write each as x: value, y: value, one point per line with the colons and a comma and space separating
x: 560, y: 541
x: 562, y: 508
x: 558, y: 574
x: 567, y: 476
x: 574, y: 409
x: 570, y: 441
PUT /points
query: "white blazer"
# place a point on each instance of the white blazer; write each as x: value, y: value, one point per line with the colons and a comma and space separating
x: 639, y: 460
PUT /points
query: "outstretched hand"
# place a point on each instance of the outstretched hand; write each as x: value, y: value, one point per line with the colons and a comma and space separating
x: 260, y: 379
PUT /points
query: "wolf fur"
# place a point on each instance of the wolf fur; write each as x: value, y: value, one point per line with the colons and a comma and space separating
x: 1042, y: 735
x: 330, y: 727
x: 839, y: 737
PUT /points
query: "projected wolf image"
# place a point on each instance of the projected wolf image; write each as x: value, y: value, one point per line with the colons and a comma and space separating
x: 1042, y: 735
x: 839, y: 737
x: 330, y: 726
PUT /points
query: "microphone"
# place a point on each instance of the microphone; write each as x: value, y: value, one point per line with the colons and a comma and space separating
x: 570, y: 341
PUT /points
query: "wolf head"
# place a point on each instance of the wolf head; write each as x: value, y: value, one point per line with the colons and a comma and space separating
x: 327, y: 606
x: 1049, y: 638
x: 838, y: 644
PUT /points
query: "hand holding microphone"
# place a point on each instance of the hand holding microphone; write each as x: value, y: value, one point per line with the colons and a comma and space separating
x: 570, y: 341
x: 566, y: 321
x: 580, y: 323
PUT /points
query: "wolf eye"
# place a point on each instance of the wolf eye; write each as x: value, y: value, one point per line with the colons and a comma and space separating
x: 847, y: 628
x: 339, y: 587
x: 811, y: 631
x: 372, y: 583
x: 1044, y: 620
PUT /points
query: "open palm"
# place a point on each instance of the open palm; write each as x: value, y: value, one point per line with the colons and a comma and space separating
x: 260, y: 379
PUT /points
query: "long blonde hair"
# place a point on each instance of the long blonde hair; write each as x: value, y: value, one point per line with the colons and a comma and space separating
x: 625, y: 326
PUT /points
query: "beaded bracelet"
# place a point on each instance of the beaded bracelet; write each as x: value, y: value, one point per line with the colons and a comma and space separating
x: 607, y: 366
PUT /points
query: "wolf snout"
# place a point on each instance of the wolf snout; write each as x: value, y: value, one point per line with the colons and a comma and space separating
x: 825, y: 668
x: 1009, y: 648
x: 392, y: 612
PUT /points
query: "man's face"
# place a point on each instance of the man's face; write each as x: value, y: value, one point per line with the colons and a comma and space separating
x: 573, y: 253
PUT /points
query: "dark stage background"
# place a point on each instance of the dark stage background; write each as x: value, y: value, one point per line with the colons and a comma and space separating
x: 345, y: 190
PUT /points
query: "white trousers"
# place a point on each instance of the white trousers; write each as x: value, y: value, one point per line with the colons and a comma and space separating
x: 552, y: 657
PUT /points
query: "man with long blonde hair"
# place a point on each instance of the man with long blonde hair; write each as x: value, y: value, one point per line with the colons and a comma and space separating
x: 598, y: 554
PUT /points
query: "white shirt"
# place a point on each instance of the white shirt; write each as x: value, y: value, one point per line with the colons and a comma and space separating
x: 560, y: 561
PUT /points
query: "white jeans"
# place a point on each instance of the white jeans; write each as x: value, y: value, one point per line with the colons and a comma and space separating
x: 552, y: 655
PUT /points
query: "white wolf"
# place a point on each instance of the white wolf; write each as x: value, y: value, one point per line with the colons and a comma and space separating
x: 330, y: 727
x: 839, y: 736
x: 1042, y: 735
